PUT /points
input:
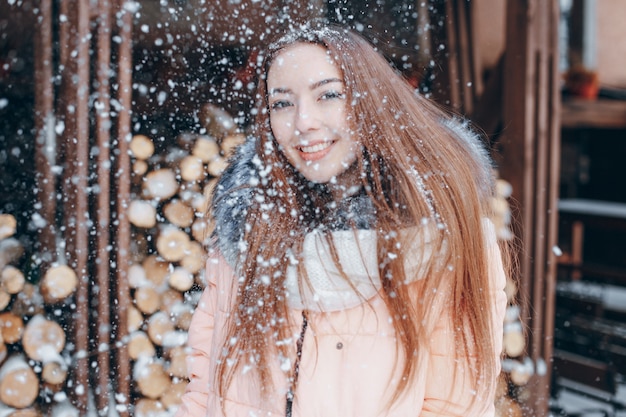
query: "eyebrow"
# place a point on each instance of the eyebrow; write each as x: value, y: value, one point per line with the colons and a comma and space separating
x: 281, y: 90
x: 324, y: 82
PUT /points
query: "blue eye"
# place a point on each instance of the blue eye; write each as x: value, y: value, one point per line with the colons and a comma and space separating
x: 279, y: 104
x: 329, y: 95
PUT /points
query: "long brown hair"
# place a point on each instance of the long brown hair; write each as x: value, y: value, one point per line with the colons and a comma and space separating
x: 419, y: 169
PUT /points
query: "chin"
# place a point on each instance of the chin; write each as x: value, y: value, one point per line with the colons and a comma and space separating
x: 318, y: 179
x: 321, y: 175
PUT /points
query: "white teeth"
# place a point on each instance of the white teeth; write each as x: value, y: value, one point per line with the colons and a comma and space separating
x: 315, y: 148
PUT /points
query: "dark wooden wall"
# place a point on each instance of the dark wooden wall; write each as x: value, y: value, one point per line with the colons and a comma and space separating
x: 530, y: 157
x: 518, y: 104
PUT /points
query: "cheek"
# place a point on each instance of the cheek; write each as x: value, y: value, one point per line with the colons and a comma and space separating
x: 342, y: 121
x: 280, y: 129
x: 356, y: 146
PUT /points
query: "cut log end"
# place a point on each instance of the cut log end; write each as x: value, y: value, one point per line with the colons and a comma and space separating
x: 12, y: 327
x: 152, y: 380
x: 514, y: 343
x: 43, y: 339
x: 19, y: 386
x: 54, y: 374
x: 172, y: 244
x: 8, y: 226
x: 142, y: 214
x: 58, y: 283
x: 141, y: 147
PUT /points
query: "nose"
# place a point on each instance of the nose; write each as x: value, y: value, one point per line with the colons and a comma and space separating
x: 307, y: 117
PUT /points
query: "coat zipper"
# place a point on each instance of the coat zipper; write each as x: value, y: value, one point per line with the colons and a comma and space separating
x: 296, y: 366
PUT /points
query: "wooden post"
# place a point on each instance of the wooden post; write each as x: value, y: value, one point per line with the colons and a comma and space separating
x: 103, y: 169
x: 530, y: 152
x: 45, y: 145
x: 456, y: 82
x: 444, y: 46
x: 122, y: 178
x: 75, y: 108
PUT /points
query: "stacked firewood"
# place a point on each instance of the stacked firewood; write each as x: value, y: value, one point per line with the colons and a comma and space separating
x: 171, y: 191
x: 502, y: 210
x: 516, y: 369
x: 33, y: 359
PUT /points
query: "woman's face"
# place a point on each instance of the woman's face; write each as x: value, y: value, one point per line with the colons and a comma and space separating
x: 309, y: 114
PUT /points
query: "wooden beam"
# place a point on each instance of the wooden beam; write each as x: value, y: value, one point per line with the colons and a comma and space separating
x: 102, y: 108
x: 45, y: 143
x: 74, y: 109
x: 122, y: 181
x: 590, y: 372
x: 529, y: 160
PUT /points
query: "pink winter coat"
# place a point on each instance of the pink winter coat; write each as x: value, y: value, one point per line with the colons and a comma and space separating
x: 343, y: 372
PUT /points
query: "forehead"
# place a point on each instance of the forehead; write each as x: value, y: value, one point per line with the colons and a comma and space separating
x: 302, y: 60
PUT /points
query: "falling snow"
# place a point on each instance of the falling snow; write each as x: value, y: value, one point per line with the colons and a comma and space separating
x: 186, y: 56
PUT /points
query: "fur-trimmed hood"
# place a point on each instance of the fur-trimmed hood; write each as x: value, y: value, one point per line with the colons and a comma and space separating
x: 231, y: 198
x: 235, y: 190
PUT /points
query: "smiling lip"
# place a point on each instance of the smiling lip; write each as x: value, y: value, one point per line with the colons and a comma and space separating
x: 315, y: 151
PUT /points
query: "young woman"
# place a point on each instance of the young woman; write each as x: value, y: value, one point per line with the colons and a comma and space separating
x: 354, y: 269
